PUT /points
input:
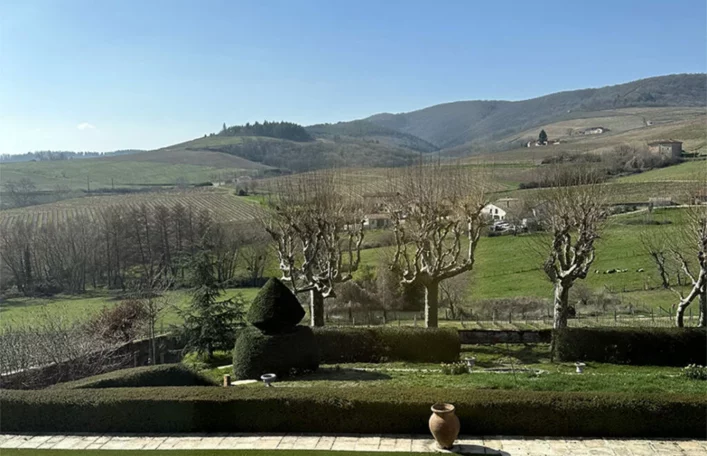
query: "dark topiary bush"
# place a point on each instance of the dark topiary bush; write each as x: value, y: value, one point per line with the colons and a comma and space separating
x: 373, y: 345
x: 162, y: 375
x: 257, y: 353
x: 351, y: 410
x: 275, y: 308
x: 642, y: 346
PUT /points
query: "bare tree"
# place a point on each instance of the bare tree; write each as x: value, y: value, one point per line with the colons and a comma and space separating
x: 318, y: 230
x: 693, y: 239
x: 255, y: 254
x: 436, y: 217
x: 17, y: 254
x: 574, y: 212
x: 21, y: 191
x: 64, y: 348
x: 453, y: 294
x: 657, y: 247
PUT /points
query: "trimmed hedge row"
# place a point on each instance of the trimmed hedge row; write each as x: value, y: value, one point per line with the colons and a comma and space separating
x: 257, y: 353
x: 357, y: 410
x: 641, y: 346
x: 146, y: 376
x: 384, y: 344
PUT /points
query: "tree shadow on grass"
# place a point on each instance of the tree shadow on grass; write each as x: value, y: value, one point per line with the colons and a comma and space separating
x: 492, y: 354
x: 344, y: 375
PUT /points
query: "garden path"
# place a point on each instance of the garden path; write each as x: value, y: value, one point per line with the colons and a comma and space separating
x: 496, y: 445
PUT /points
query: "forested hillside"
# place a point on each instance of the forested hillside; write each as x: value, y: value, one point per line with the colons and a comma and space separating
x: 452, y: 124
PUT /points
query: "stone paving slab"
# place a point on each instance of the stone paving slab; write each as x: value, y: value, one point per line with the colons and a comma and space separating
x: 489, y: 445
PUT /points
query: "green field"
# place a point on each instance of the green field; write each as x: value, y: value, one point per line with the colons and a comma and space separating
x: 15, y: 310
x: 689, y: 171
x: 506, y: 267
x: 104, y: 173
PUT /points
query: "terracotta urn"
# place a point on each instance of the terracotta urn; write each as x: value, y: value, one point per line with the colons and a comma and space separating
x: 444, y: 425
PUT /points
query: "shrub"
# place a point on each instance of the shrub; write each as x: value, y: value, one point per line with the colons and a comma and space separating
x: 695, y: 372
x: 642, y: 346
x: 457, y: 368
x: 275, y: 308
x: 373, y: 345
x: 351, y: 410
x: 257, y: 353
x: 162, y: 375
x: 120, y: 323
x: 197, y: 361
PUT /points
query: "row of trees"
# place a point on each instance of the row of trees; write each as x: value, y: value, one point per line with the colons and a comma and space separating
x: 281, y: 130
x: 435, y: 214
x: 124, y: 248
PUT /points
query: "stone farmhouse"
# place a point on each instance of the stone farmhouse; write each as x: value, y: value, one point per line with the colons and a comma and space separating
x: 669, y: 146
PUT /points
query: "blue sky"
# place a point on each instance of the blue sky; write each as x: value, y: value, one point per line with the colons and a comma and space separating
x: 104, y: 75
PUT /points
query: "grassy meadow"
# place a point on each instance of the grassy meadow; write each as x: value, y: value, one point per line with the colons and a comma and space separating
x: 76, y: 307
x: 506, y: 267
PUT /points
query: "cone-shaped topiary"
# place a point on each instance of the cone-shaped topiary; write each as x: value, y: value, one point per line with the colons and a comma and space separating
x: 275, y: 309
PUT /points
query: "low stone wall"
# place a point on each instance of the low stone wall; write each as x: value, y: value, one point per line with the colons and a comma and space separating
x: 482, y: 336
x: 131, y: 354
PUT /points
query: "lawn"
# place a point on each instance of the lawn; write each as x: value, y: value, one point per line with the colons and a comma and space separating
x: 524, y: 366
x: 81, y: 306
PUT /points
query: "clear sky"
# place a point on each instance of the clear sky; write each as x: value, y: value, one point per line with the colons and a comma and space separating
x: 104, y: 75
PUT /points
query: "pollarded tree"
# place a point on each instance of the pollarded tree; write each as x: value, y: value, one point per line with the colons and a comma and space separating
x: 573, y: 212
x: 694, y: 243
x: 318, y: 230
x: 436, y: 217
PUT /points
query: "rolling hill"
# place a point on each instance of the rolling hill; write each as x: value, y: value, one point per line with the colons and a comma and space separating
x: 323, y: 152
x: 453, y: 124
x: 662, y: 107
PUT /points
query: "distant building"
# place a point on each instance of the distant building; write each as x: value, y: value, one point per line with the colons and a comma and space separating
x: 660, y: 201
x: 538, y: 143
x: 595, y: 131
x: 494, y: 212
x: 377, y: 221
x: 670, y: 146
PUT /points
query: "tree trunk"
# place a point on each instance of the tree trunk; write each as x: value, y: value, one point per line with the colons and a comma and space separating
x: 431, y: 304
x: 316, y: 308
x: 684, y: 304
x: 561, y: 304
x: 703, y: 309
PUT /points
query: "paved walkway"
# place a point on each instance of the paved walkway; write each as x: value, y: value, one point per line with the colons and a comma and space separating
x: 509, y: 446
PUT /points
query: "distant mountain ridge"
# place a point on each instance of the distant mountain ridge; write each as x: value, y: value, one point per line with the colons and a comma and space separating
x: 452, y: 124
x: 451, y: 129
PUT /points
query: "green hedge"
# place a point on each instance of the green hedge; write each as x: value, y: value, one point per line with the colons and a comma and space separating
x: 257, y: 353
x: 350, y: 410
x: 384, y: 344
x: 642, y: 346
x: 162, y: 375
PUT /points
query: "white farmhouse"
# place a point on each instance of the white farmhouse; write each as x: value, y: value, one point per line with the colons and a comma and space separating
x: 494, y: 212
